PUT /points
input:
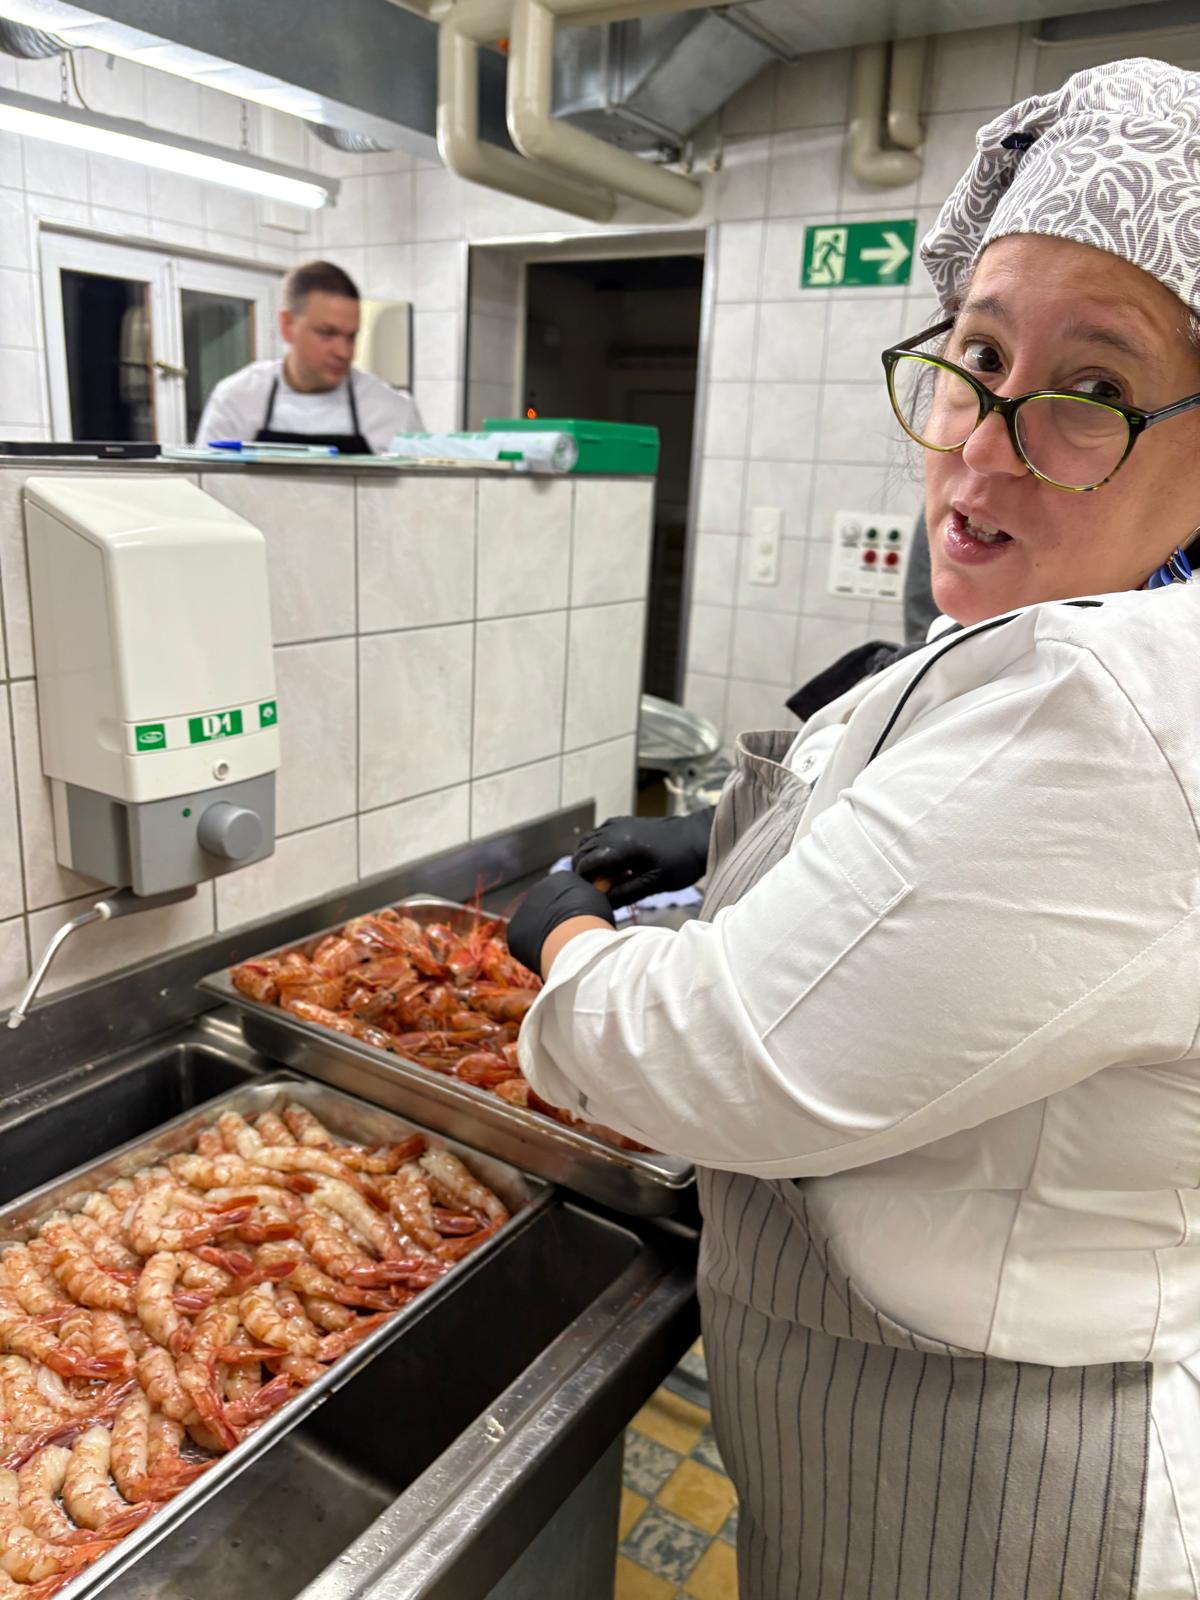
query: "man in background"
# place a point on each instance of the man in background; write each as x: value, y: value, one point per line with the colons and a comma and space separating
x: 314, y: 395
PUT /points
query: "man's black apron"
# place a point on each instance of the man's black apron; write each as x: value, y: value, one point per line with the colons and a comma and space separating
x: 346, y: 444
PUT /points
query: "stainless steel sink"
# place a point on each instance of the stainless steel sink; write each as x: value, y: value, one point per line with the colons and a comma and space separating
x: 429, y: 1471
x: 279, y: 1524
x: 45, y: 1134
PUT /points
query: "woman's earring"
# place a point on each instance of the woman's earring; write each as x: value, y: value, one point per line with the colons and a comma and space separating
x: 1175, y: 569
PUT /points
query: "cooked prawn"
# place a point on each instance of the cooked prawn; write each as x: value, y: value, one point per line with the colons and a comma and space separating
x: 20, y: 1335
x: 24, y: 1556
x: 167, y: 1218
x: 452, y: 1178
x: 155, y: 1305
x: 35, y: 1292
x: 39, y: 1482
x: 88, y: 1493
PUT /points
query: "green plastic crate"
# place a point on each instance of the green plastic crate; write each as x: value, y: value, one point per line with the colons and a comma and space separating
x: 624, y: 448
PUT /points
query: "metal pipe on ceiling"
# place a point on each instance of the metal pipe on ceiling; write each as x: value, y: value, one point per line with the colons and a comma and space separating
x: 463, y: 27
x: 869, y: 161
x: 541, y: 137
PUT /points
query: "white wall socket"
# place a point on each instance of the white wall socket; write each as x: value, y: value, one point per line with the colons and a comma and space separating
x: 766, y: 530
x: 870, y: 554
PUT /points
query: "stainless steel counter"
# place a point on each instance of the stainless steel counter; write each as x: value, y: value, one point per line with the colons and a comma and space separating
x: 430, y: 1471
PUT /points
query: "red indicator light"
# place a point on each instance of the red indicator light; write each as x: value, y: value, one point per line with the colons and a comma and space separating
x: 870, y: 557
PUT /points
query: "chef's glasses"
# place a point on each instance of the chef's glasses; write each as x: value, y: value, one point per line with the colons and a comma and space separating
x: 1068, y: 440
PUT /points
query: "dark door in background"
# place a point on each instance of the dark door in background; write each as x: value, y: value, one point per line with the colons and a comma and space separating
x: 618, y: 341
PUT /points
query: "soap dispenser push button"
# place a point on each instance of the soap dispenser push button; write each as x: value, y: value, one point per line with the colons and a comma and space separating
x: 231, y: 832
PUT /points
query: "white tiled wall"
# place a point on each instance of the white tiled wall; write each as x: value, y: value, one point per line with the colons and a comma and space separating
x: 441, y: 674
x: 796, y: 411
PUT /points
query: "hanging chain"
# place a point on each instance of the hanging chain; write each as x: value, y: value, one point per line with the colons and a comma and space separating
x: 245, y: 126
x: 64, y: 88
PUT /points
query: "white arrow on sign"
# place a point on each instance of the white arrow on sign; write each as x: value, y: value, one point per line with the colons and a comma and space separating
x: 892, y: 255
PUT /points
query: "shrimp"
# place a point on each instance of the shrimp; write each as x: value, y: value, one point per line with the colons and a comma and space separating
x: 461, y: 1188
x: 197, y: 1371
x: 25, y: 1557
x: 224, y: 1172
x: 117, y: 1341
x: 144, y: 1454
x: 327, y: 1314
x: 165, y: 1218
x: 312, y: 1133
x: 345, y: 1202
x: 309, y: 1281
x: 241, y: 1138
x: 89, y: 1495
x: 155, y: 1307
x: 408, y: 1197
x: 272, y: 1129
x: 75, y: 1330
x: 158, y: 1377
x: 20, y: 1335
x: 205, y: 1271
x: 101, y: 1209
x: 305, y: 1126
x: 86, y: 1281
x: 269, y: 1397
x: 257, y: 980
x: 39, y: 1481
x: 109, y: 1252
x: 264, y: 1320
x: 35, y: 1293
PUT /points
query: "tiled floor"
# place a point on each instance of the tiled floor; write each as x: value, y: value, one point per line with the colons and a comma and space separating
x: 678, y: 1509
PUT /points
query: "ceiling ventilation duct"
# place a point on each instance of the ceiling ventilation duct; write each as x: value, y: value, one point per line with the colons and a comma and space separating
x: 29, y: 44
x: 646, y: 85
x: 348, y: 141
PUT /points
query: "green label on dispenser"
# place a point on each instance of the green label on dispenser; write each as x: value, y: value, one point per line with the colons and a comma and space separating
x: 150, y: 736
x: 214, y: 725
x: 268, y: 714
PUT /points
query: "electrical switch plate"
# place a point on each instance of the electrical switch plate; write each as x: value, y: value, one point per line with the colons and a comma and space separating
x: 766, y: 529
x: 870, y: 554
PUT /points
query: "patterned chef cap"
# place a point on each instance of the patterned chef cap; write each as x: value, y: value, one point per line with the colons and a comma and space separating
x: 1111, y: 159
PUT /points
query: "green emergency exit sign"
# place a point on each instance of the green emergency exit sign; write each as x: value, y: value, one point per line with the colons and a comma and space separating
x: 858, y: 255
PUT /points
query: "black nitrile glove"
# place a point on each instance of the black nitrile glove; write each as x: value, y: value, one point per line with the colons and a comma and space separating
x: 633, y: 857
x: 556, y: 899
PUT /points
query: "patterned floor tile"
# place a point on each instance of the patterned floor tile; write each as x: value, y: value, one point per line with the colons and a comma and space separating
x: 665, y: 1545
x: 632, y: 1506
x: 673, y: 1422
x: 699, y: 1495
x: 715, y: 1575
x: 648, y: 1464
x: 635, y: 1583
x: 729, y: 1531
x: 707, y: 1454
x: 694, y: 1365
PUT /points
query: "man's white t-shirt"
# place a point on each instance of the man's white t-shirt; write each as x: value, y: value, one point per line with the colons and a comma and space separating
x: 237, y: 407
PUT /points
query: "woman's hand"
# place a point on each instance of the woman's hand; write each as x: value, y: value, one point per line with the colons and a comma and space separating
x: 637, y: 856
x: 560, y: 898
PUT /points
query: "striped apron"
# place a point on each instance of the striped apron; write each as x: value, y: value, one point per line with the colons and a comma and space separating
x: 872, y: 1462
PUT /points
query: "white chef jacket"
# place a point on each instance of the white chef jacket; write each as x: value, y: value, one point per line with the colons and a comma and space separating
x: 965, y: 1007
x: 237, y: 407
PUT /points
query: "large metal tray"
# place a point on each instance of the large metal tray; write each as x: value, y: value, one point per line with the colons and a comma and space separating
x: 636, y: 1184
x: 350, y: 1118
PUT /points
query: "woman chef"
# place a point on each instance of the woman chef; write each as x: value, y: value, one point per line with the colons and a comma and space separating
x: 936, y: 1045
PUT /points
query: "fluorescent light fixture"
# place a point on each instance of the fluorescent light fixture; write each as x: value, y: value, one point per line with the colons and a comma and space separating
x: 36, y: 118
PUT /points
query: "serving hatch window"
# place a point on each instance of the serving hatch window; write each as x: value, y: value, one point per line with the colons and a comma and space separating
x: 136, y: 339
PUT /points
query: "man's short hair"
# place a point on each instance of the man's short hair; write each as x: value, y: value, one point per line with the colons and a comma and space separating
x: 316, y: 277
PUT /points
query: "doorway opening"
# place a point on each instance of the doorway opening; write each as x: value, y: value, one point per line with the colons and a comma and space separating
x: 618, y: 341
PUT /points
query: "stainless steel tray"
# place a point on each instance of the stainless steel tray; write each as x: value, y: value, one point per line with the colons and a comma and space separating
x: 524, y: 1196
x: 636, y: 1184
